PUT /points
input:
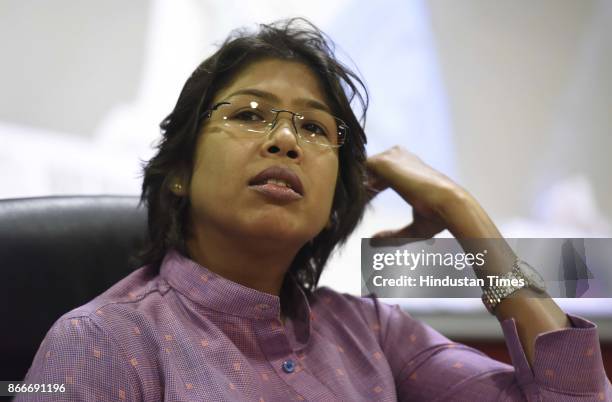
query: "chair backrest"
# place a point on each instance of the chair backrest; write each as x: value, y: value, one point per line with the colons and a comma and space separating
x: 57, y: 253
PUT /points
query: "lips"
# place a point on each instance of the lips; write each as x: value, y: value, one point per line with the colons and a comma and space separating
x: 280, y: 180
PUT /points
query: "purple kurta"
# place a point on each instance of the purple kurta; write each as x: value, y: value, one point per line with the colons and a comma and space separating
x: 188, y: 334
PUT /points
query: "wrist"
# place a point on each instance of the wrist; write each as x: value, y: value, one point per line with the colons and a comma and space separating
x: 466, y: 218
x: 476, y: 232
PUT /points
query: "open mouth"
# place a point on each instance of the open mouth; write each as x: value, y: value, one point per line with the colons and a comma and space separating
x: 278, y: 182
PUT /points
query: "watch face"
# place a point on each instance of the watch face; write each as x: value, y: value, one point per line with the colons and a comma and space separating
x: 532, y: 276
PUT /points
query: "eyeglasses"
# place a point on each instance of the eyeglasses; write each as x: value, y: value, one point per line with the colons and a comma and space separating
x: 258, y: 117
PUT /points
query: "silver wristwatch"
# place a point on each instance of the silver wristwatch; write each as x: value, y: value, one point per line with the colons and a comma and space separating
x: 522, y: 275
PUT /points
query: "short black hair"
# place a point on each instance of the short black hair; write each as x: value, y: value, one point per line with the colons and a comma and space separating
x: 294, y: 39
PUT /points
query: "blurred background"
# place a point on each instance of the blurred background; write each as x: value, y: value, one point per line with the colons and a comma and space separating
x: 513, y: 100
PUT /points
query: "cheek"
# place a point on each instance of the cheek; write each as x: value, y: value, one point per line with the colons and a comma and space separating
x: 331, y: 188
x: 326, y: 185
x: 212, y: 179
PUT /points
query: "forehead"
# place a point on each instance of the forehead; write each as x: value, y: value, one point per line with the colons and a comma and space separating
x: 290, y: 81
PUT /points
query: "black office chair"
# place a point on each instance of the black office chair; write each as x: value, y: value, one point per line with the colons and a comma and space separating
x: 57, y: 253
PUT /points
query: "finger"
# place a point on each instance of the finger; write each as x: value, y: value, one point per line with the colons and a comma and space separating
x: 371, y: 192
x: 374, y: 179
x: 374, y: 185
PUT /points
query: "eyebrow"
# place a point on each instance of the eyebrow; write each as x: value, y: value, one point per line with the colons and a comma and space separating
x: 273, y: 98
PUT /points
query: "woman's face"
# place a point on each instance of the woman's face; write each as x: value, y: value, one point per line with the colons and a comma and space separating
x: 223, y: 199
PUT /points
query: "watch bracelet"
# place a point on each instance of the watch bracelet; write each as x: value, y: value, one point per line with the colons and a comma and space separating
x: 493, y: 295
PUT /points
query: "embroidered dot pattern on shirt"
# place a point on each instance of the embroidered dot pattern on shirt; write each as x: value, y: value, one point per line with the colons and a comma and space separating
x: 121, y: 394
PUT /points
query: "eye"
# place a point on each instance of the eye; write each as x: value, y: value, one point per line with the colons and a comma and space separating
x: 247, y: 116
x: 315, y: 129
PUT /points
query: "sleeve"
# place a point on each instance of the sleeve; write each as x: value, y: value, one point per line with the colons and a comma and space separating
x: 79, y: 354
x: 568, y: 365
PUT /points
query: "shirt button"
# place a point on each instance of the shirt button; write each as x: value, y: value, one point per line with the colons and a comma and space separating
x: 288, y: 366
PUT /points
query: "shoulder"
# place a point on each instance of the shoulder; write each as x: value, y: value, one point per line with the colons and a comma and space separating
x: 117, y: 327
x: 368, y: 306
x: 126, y: 306
x: 388, y: 321
x: 80, y: 353
x: 129, y: 291
x: 326, y: 298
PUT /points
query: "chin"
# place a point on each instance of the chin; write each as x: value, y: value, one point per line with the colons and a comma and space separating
x: 280, y: 230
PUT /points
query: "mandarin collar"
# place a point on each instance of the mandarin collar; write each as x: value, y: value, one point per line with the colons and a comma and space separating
x: 215, y: 292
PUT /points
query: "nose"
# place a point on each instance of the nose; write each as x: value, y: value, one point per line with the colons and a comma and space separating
x: 282, y: 138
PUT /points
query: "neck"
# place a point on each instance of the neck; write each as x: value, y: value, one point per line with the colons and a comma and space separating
x: 260, y: 264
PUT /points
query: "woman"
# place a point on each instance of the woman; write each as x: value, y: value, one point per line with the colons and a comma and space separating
x: 259, y: 175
